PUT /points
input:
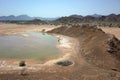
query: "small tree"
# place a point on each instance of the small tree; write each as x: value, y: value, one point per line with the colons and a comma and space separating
x: 22, y: 65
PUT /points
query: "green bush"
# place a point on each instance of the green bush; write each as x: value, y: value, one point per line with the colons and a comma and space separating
x: 22, y: 64
x: 64, y: 63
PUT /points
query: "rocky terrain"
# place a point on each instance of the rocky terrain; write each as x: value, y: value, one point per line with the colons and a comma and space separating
x: 111, y: 20
x: 99, y: 49
x: 89, y: 54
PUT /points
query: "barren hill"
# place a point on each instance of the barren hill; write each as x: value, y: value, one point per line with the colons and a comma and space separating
x: 97, y: 48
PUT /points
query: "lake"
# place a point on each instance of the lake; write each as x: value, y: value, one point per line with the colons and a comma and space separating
x: 37, y: 46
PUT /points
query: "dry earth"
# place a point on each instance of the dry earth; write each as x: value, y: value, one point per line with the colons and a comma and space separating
x: 99, y: 51
x: 85, y: 47
x: 13, y: 29
x: 111, y: 30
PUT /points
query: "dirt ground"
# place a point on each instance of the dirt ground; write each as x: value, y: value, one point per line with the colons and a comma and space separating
x: 10, y: 67
x: 97, y: 53
x: 70, y: 48
x: 111, y: 30
x: 12, y: 29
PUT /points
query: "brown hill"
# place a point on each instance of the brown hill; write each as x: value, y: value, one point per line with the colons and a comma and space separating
x: 35, y: 21
x: 68, y: 20
x: 97, y: 47
x: 102, y: 20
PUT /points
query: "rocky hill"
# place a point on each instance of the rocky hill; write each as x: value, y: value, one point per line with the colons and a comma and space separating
x: 109, y: 20
x: 96, y: 47
x: 35, y: 21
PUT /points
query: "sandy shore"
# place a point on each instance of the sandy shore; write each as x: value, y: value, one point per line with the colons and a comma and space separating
x: 65, y: 45
x: 13, y: 29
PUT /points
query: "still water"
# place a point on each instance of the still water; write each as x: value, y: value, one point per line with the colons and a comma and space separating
x: 37, y: 46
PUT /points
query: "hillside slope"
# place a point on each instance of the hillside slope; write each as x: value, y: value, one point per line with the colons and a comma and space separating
x: 97, y: 48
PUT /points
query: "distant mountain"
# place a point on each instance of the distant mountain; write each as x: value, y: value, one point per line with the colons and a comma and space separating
x: 76, y: 19
x: 13, y: 18
x: 112, y: 17
x: 67, y: 20
x: 22, y: 17
x: 76, y: 16
x: 96, y: 15
x: 80, y: 16
x: 34, y: 21
x: 46, y: 19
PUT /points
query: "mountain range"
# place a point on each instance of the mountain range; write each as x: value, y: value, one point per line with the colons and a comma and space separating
x: 22, y: 17
x: 71, y: 18
x: 80, y: 16
x: 89, y: 18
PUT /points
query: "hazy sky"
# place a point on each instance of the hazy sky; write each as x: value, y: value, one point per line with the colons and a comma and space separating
x: 57, y: 8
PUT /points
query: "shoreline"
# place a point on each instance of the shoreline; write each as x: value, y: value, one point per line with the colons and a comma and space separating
x: 63, y: 45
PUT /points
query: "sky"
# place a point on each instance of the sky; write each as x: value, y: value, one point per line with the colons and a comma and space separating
x: 57, y: 8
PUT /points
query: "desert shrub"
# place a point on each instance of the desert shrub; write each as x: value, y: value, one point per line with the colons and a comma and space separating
x: 64, y: 63
x: 22, y: 63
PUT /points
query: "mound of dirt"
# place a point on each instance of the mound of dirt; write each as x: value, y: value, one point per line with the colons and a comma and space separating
x: 97, y: 48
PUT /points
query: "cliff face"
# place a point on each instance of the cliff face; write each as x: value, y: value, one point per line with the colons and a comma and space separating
x: 97, y: 47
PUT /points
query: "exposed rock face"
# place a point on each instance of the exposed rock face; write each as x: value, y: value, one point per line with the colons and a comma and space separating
x: 97, y: 47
